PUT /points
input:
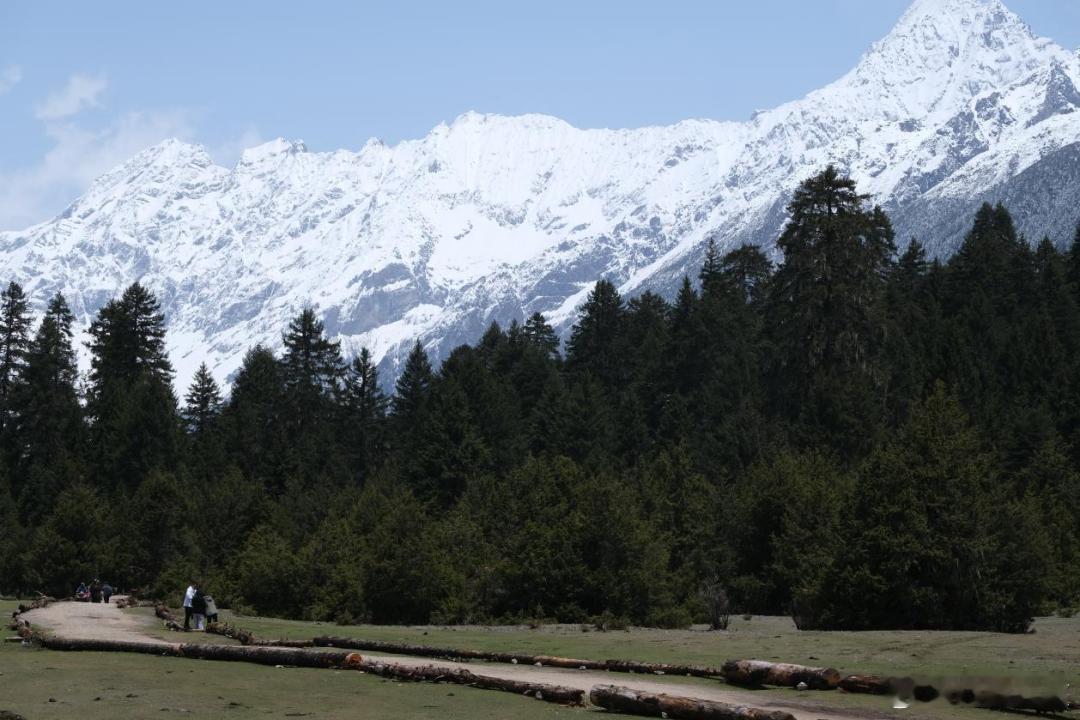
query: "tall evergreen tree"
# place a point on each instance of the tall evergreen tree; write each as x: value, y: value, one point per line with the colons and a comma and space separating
x: 135, y: 424
x: 14, y: 344
x: 541, y: 335
x: 50, y: 431
x: 365, y: 411
x: 202, y: 404
x: 413, y: 387
x: 594, y: 340
x: 826, y: 312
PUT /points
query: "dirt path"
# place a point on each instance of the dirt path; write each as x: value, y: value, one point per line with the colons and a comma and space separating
x: 107, y: 622
x: 88, y: 621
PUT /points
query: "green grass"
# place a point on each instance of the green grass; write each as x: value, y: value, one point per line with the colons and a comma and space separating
x: 137, y: 686
x: 42, y: 685
x: 1053, y: 650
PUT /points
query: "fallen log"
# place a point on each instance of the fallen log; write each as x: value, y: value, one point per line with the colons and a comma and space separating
x: 459, y: 676
x: 632, y: 666
x: 755, y: 673
x: 634, y: 702
x: 627, y: 666
x: 247, y: 638
x: 170, y: 620
x: 866, y: 684
x: 299, y: 657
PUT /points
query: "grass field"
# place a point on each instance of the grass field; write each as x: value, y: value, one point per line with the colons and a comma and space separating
x: 139, y: 686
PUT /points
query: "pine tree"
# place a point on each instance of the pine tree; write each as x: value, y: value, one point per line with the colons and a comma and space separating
x: 311, y: 363
x: 594, y: 340
x: 827, y: 312
x: 202, y: 404
x: 253, y: 417
x: 14, y: 345
x: 746, y: 272
x: 541, y: 335
x: 50, y: 432
x: 135, y: 423
x: 128, y: 342
x: 365, y: 410
x: 712, y: 272
x: 413, y: 387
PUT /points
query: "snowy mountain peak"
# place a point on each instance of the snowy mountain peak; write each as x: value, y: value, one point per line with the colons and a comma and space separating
x: 493, y: 217
x: 273, y: 151
x: 944, y: 52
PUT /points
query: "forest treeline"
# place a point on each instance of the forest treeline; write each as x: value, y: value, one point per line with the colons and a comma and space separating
x: 861, y: 437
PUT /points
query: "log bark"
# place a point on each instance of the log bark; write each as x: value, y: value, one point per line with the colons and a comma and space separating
x: 170, y: 620
x: 866, y: 684
x: 299, y: 657
x: 634, y: 702
x: 628, y: 666
x: 246, y: 638
x: 755, y: 673
x: 459, y: 676
x: 631, y: 666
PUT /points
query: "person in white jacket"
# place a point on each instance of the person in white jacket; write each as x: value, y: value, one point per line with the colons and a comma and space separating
x: 188, y: 597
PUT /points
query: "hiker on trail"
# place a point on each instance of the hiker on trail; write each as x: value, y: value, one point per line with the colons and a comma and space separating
x: 95, y: 591
x: 189, y: 596
x: 106, y: 591
x: 211, y: 609
x: 198, y: 609
x: 82, y: 593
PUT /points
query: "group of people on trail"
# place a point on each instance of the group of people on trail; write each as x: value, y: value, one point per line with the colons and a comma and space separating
x: 95, y: 592
x: 198, y: 606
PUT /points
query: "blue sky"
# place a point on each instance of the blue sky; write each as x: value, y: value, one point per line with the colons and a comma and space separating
x: 85, y: 85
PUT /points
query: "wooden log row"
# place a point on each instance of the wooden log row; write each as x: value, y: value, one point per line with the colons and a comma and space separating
x: 1012, y: 703
x: 755, y: 673
x: 130, y: 601
x: 628, y: 666
x: 430, y: 673
x: 165, y: 614
x: 41, y: 601
x: 247, y: 638
x: 634, y: 702
x: 867, y: 684
x: 299, y: 657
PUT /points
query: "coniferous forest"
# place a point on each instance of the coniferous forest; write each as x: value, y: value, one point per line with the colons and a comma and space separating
x: 860, y: 435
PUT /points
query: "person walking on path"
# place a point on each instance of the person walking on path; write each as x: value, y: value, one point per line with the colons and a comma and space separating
x: 189, y: 596
x: 106, y: 591
x: 95, y: 591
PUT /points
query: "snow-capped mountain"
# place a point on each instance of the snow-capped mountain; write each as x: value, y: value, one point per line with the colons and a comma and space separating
x: 492, y: 217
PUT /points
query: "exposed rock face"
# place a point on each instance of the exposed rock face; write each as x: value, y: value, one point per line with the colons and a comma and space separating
x: 492, y: 218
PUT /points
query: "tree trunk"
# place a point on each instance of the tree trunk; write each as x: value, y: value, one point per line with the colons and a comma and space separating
x: 633, y: 702
x: 170, y: 620
x: 459, y: 676
x: 299, y: 657
x: 247, y: 638
x: 754, y: 673
x: 866, y: 684
x: 629, y: 666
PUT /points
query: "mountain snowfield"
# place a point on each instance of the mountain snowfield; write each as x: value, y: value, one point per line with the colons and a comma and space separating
x: 493, y: 218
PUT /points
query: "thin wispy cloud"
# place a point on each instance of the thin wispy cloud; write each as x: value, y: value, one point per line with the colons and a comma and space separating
x: 80, y: 93
x: 10, y: 76
x: 76, y: 158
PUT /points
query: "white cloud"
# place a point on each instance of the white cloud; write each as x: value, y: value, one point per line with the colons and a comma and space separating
x: 79, y: 155
x: 228, y: 152
x: 10, y: 76
x: 81, y: 92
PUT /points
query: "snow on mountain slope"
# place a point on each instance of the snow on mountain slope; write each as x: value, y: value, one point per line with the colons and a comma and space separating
x: 492, y: 217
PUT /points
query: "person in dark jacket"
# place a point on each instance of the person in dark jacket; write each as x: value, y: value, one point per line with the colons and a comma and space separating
x: 198, y: 609
x: 95, y: 591
x: 106, y: 591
